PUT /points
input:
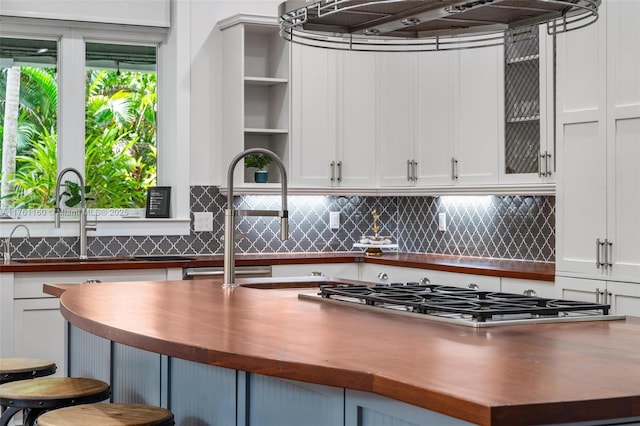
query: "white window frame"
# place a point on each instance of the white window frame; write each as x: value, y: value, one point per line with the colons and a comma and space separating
x: 71, y: 38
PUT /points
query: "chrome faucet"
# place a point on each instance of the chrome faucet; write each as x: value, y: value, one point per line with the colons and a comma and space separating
x: 84, y: 227
x: 230, y: 213
x: 7, y: 243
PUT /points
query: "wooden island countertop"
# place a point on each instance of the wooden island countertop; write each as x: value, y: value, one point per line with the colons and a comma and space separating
x: 517, y: 374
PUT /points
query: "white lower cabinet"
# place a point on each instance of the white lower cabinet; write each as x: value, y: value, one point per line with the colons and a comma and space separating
x: 39, y: 330
x: 396, y: 274
x: 31, y: 322
x: 336, y: 270
x: 624, y: 297
x: 519, y: 286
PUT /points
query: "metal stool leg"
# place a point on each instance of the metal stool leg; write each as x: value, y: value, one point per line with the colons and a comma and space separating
x: 32, y: 416
x: 7, y: 414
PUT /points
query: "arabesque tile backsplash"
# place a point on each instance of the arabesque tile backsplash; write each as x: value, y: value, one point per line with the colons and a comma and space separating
x: 507, y: 227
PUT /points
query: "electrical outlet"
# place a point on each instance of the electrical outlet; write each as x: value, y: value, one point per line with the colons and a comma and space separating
x: 334, y: 220
x: 442, y: 222
x: 203, y: 221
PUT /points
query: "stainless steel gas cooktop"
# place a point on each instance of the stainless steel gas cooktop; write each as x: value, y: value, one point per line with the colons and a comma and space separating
x: 459, y: 305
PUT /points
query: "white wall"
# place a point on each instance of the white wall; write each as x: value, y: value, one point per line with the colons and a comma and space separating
x: 206, y: 102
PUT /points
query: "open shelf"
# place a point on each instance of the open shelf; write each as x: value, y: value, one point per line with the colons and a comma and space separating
x: 256, y: 72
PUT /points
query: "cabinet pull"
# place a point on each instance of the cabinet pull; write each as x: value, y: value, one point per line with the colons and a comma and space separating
x: 409, y: 170
x: 454, y: 168
x: 608, y: 254
x: 599, y: 245
x: 540, y: 160
x: 597, y: 295
x: 339, y: 171
x: 333, y: 171
x: 544, y: 164
x: 415, y: 170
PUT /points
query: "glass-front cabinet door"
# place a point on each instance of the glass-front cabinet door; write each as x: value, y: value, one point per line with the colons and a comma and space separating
x: 528, y: 154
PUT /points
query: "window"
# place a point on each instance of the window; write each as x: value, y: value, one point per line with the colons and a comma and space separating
x: 29, y: 88
x: 120, y: 124
x: 80, y: 98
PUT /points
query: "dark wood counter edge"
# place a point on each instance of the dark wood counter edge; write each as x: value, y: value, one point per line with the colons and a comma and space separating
x: 529, y: 270
x: 569, y: 411
x: 540, y: 271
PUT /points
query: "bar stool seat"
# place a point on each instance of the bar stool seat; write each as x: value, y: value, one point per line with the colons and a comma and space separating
x: 43, y: 394
x: 12, y: 369
x: 116, y: 414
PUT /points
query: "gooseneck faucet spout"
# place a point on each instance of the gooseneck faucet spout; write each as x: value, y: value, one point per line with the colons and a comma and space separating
x: 84, y: 227
x: 7, y: 242
x: 231, y: 213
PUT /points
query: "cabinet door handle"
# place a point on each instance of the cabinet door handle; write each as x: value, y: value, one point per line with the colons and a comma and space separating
x: 608, y: 254
x: 597, y: 295
x: 415, y: 170
x: 339, y: 171
x: 454, y: 168
x: 333, y: 171
x: 409, y: 170
x: 541, y: 159
x: 547, y: 163
x: 599, y: 245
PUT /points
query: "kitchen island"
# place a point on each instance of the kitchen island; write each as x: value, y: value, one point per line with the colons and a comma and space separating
x: 256, y: 352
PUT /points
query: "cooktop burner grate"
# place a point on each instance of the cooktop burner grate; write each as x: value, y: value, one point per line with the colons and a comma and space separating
x: 458, y: 302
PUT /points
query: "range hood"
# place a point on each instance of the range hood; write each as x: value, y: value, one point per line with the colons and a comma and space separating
x: 427, y: 25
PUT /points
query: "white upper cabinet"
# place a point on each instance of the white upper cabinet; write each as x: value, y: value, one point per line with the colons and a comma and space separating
x: 313, y: 127
x: 333, y: 125
x: 436, y: 122
x: 623, y: 136
x: 527, y: 155
x: 356, y: 107
x: 396, y: 100
x: 479, y: 116
x: 598, y: 205
x: 443, y: 111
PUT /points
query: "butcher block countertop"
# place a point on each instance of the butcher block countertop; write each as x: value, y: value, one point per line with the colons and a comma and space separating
x: 543, y: 271
x: 517, y: 374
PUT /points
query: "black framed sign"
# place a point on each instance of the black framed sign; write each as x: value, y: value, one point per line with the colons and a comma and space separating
x: 158, y: 201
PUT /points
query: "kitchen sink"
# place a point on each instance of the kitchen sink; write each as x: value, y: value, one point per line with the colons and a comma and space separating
x: 283, y: 285
x: 38, y: 260
x: 159, y: 258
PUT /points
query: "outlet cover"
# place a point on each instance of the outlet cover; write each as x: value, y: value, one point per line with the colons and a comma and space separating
x: 334, y: 220
x: 442, y: 222
x: 203, y: 221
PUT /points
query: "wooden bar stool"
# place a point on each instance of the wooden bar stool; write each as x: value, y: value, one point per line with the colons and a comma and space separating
x: 37, y: 396
x: 12, y: 369
x: 116, y: 414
